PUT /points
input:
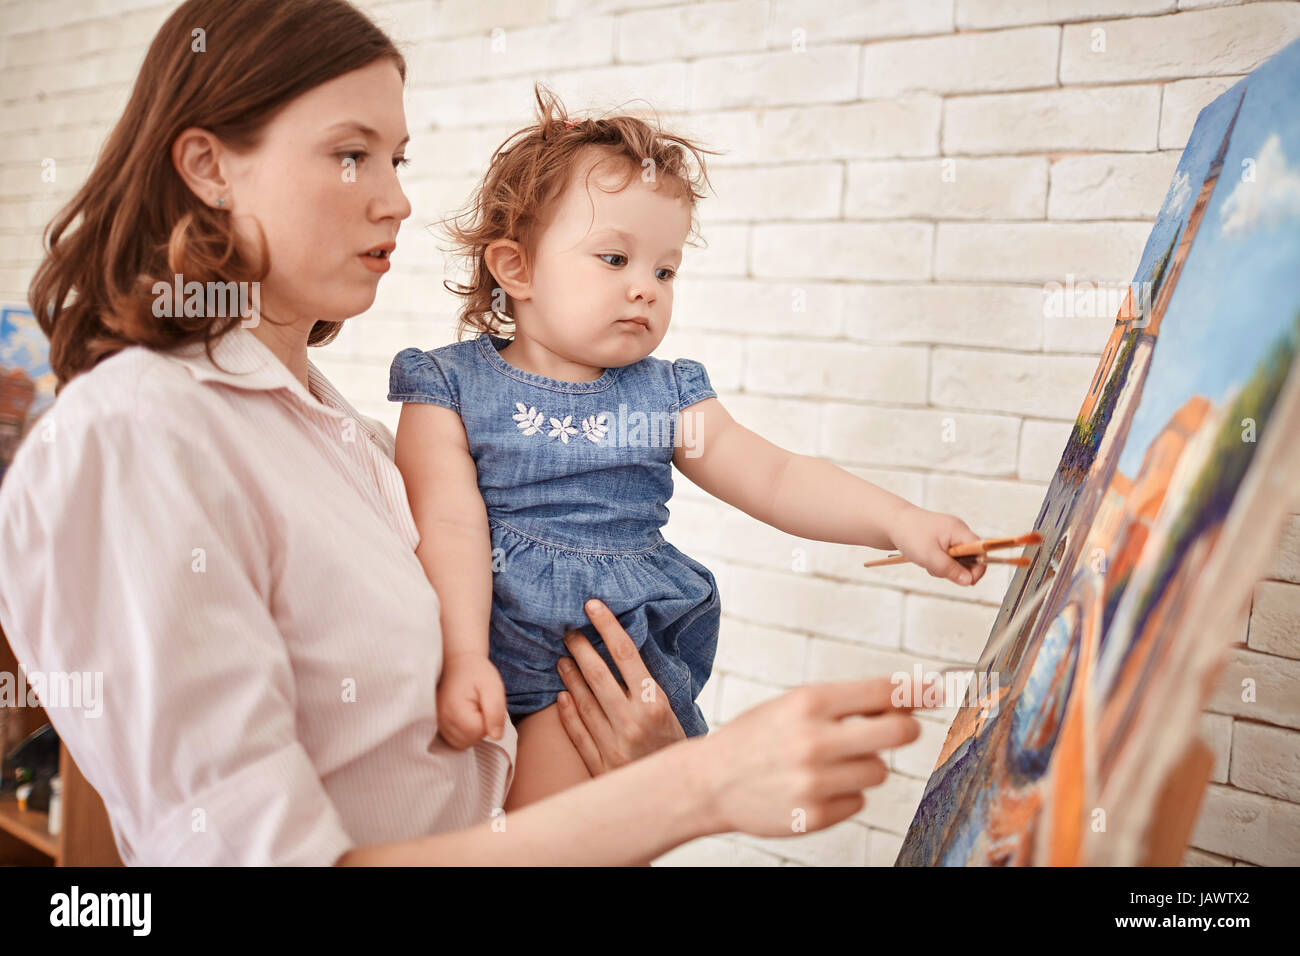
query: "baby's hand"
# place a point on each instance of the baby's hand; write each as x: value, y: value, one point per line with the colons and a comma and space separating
x: 924, y: 537
x: 471, y: 701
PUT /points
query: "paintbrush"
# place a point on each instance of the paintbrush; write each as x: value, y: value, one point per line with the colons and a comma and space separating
x: 968, y: 560
x: 973, y: 549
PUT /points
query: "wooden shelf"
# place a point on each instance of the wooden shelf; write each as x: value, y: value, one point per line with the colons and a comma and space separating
x: 85, y: 837
x: 30, y: 826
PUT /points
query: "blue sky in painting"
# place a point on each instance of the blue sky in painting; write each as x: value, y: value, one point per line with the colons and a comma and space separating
x: 1240, y: 288
x: 23, y: 345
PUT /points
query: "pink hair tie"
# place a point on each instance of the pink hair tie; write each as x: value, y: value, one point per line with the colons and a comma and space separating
x: 572, y: 123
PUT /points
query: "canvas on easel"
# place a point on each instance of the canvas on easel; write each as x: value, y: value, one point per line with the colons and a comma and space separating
x: 1170, y: 495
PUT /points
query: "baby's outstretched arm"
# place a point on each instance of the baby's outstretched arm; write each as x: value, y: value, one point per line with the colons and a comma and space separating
x: 811, y: 498
x: 432, y: 453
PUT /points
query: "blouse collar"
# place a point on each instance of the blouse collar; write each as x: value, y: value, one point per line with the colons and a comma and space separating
x: 242, y: 360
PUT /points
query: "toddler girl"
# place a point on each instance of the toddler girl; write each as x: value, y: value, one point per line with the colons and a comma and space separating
x: 538, y: 465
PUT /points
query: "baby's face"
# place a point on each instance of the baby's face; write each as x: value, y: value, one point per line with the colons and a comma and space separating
x: 603, y: 270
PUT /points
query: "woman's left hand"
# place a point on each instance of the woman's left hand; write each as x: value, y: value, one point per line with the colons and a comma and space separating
x: 611, y: 725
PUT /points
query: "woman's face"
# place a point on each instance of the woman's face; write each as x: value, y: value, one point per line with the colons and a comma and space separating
x: 324, y: 191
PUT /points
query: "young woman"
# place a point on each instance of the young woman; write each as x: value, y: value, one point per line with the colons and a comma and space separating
x: 203, y: 519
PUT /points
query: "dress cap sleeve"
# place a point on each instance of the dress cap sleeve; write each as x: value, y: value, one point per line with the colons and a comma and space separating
x: 692, y: 382
x: 417, y: 376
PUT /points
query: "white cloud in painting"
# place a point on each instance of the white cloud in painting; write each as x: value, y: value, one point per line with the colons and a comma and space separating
x: 1178, y: 194
x: 1272, y: 197
x: 25, y: 346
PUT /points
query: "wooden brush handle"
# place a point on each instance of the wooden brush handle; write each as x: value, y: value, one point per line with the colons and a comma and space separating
x: 969, y: 549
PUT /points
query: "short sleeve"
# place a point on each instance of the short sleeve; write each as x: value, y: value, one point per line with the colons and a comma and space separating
x: 417, y: 376
x: 692, y: 383
x: 129, y: 552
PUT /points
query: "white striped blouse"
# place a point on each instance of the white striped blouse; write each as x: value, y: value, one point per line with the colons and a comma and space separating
x: 236, y: 558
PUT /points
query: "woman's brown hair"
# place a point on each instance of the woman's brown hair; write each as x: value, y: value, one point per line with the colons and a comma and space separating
x: 527, y: 175
x: 139, y: 222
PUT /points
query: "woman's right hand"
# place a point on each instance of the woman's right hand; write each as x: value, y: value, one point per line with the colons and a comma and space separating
x: 608, y: 724
x: 800, y: 762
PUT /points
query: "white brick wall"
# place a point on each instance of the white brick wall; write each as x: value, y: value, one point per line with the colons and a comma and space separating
x: 911, y: 172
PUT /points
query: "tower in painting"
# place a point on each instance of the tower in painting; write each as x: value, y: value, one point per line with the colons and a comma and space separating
x: 1146, y: 315
x: 1164, y: 278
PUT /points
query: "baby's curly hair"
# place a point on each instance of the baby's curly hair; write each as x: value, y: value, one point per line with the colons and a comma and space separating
x: 527, y: 175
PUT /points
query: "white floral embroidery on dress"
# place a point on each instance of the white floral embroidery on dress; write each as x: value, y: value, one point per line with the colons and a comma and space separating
x: 563, y: 429
x: 530, y: 419
x: 531, y: 422
x: 594, y: 427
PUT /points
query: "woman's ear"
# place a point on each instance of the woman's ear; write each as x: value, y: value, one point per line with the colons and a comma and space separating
x: 508, y: 263
x: 196, y: 154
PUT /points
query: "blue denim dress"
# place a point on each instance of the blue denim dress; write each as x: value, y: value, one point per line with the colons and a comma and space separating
x: 576, y: 477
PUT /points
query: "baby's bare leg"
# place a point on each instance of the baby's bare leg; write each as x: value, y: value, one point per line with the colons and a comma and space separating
x: 546, y: 762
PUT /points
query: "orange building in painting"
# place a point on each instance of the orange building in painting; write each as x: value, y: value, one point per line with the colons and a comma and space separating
x: 17, y: 392
x: 1099, y: 378
x: 1152, y: 482
x: 1110, y: 515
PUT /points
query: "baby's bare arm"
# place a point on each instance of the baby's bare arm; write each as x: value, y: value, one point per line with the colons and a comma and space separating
x: 455, y: 548
x: 799, y: 494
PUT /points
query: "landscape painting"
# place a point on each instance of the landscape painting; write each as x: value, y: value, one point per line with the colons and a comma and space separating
x: 1156, y: 524
x: 26, y: 381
